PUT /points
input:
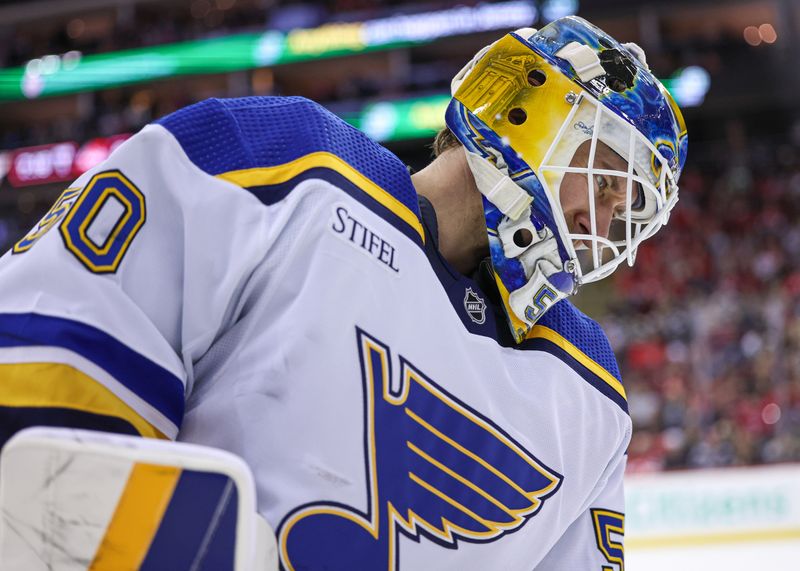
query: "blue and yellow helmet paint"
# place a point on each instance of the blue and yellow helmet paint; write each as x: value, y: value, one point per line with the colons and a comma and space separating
x: 524, y: 105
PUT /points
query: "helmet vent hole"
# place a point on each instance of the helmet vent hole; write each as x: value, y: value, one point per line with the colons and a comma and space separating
x: 523, y: 238
x: 537, y: 77
x: 616, y: 84
x: 517, y: 116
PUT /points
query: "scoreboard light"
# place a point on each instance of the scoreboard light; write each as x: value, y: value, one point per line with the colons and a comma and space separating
x: 555, y: 9
x: 414, y: 118
x: 689, y: 85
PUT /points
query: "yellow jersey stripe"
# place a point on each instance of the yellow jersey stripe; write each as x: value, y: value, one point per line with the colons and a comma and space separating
x: 542, y: 332
x: 136, y: 518
x: 520, y: 329
x: 282, y: 173
x: 48, y: 385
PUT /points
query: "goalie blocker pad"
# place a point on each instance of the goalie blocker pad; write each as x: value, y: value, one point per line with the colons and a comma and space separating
x: 78, y: 499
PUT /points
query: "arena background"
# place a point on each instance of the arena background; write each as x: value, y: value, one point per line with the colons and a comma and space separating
x: 706, y: 327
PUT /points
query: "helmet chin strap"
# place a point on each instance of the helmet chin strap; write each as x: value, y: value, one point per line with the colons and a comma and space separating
x: 531, y: 301
x: 497, y: 187
x: 540, y: 259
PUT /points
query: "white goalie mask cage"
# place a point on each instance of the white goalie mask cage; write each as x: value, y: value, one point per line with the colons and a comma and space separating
x: 649, y: 185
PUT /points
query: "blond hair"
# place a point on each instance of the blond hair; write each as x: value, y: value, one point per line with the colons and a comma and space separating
x: 444, y: 140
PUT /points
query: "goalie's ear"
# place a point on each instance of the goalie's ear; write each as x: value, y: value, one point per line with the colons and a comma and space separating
x: 122, y: 502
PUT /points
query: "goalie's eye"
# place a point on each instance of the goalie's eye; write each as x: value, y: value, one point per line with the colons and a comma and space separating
x: 600, y: 182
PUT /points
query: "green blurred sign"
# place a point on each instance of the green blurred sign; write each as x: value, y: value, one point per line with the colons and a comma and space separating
x: 407, y: 119
x: 219, y: 55
x: 72, y: 73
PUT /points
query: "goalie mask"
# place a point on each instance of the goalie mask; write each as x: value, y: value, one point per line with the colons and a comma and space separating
x: 576, y: 148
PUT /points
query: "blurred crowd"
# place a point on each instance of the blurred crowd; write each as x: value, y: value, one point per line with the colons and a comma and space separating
x: 143, y: 24
x: 132, y: 26
x: 108, y: 113
x: 126, y: 109
x: 706, y: 325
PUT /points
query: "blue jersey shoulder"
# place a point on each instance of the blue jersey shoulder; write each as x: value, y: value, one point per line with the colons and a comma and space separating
x: 581, y: 343
x: 270, y: 144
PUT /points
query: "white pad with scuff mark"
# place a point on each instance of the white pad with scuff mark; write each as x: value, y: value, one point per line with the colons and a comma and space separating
x: 62, y: 491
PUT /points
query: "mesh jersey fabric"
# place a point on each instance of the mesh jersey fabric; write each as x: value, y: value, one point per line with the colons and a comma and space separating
x: 222, y: 135
x: 583, y: 332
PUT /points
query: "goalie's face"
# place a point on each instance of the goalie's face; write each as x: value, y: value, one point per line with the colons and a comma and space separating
x: 590, y: 207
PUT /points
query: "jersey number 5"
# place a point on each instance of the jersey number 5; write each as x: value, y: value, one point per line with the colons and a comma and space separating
x: 606, y: 523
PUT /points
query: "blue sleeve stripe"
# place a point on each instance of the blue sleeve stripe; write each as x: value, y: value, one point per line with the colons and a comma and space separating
x: 265, y: 177
x: 14, y: 418
x: 589, y: 374
x: 157, y: 386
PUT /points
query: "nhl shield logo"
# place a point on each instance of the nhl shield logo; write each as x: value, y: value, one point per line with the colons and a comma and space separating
x: 475, y: 306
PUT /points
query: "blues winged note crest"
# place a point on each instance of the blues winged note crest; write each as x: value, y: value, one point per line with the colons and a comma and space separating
x: 435, y: 470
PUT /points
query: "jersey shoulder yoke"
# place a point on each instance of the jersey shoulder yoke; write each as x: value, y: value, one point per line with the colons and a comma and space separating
x: 580, y: 342
x: 270, y: 144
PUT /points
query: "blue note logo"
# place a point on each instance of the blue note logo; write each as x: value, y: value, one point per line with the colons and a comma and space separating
x: 435, y: 469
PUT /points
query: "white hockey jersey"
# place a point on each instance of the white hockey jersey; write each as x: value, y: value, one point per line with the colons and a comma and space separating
x: 256, y: 275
